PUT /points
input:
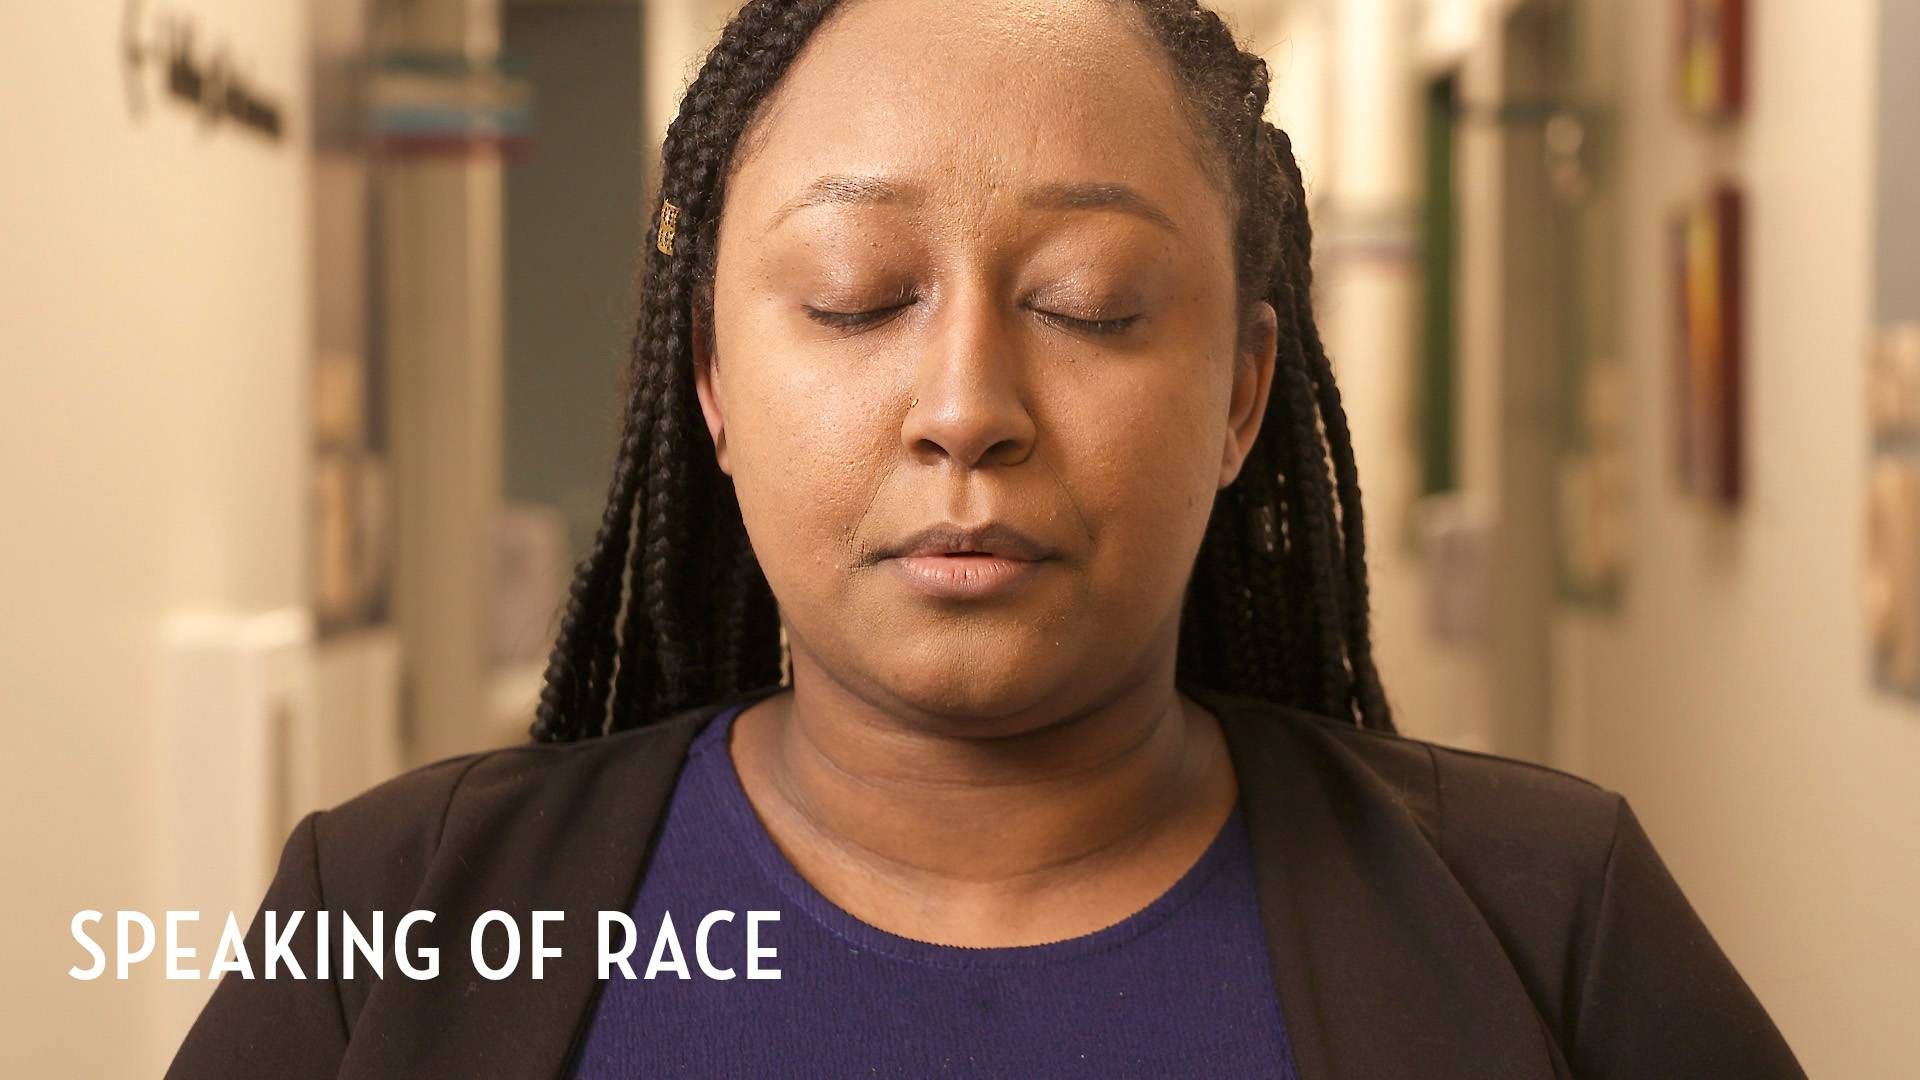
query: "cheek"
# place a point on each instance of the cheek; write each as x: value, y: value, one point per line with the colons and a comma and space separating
x: 805, y: 448
x: 1144, y: 457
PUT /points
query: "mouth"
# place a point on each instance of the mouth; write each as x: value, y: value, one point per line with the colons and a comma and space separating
x: 993, y: 540
x: 955, y: 562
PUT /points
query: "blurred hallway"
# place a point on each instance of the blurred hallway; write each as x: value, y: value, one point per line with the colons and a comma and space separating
x: 307, y: 421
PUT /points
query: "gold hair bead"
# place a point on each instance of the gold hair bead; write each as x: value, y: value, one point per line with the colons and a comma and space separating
x: 669, y: 216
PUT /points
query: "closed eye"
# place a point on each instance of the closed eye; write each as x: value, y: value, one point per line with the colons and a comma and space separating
x: 1090, y: 326
x: 860, y: 319
x: 855, y: 319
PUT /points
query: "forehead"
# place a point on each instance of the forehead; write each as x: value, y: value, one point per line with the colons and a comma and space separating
x: 965, y: 97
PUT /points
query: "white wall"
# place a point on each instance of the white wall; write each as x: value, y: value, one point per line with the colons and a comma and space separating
x: 155, y: 318
x: 1729, y: 699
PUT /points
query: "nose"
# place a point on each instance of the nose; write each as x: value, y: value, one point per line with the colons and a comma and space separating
x: 967, y: 404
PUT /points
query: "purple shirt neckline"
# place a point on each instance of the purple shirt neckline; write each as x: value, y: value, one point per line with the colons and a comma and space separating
x: 745, y: 825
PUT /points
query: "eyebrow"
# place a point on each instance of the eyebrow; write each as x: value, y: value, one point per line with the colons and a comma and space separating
x: 844, y: 190
x: 839, y: 190
x: 1097, y: 196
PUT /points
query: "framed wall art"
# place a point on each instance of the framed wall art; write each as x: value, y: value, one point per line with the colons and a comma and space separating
x: 1710, y: 64
x: 1892, y: 591
x: 1707, y: 250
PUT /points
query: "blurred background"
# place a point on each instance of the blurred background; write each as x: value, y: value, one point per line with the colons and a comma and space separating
x: 311, y: 314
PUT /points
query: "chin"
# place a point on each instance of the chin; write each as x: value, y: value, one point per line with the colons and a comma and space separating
x: 995, y: 687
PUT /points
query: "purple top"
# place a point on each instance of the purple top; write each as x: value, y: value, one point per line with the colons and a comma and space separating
x: 1180, y: 986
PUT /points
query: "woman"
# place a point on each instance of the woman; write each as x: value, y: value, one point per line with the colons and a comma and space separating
x: 977, y: 334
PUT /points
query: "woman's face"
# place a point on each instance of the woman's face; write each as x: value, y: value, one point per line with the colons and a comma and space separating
x: 971, y: 271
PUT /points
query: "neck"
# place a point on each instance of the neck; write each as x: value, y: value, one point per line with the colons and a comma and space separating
x: 952, y: 834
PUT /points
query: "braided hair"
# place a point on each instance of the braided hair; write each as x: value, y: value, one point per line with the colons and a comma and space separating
x: 671, y: 610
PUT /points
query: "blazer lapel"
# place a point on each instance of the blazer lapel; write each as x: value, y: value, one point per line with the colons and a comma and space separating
x: 1383, y: 964
x: 575, y: 843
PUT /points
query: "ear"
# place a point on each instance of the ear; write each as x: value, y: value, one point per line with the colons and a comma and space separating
x: 1252, y: 381
x: 706, y: 384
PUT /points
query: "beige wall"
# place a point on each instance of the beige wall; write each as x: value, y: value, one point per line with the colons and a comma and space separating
x: 1730, y: 699
x: 153, y: 309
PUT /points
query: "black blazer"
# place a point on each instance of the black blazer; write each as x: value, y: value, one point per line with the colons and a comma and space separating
x: 1429, y: 913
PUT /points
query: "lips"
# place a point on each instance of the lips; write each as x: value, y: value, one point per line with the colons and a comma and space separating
x: 993, y: 539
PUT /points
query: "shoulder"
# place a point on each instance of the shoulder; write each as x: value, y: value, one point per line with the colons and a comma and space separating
x: 375, y: 850
x: 1485, y: 850
x: 526, y: 828
x: 1494, y: 847
x: 1528, y: 845
x: 1466, y: 803
x: 1477, y: 804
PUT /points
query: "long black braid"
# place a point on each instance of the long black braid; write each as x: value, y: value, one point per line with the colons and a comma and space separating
x: 671, y: 610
